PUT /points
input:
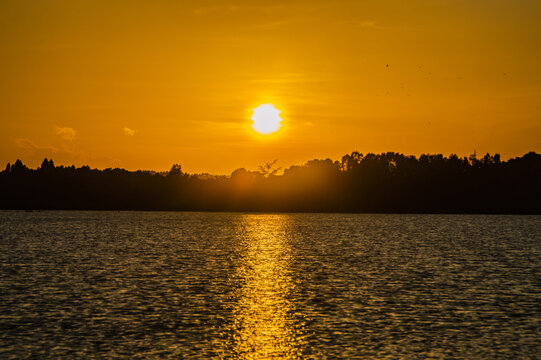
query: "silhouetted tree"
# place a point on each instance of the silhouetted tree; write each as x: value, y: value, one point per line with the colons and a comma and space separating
x: 387, y: 182
x: 176, y: 170
x: 269, y: 169
x: 18, y: 167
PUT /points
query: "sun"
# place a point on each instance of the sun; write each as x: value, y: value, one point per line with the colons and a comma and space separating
x: 266, y: 119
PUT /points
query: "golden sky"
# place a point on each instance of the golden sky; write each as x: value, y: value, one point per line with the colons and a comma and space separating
x: 145, y: 84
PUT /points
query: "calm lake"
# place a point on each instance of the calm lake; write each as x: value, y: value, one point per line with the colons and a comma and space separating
x: 256, y: 286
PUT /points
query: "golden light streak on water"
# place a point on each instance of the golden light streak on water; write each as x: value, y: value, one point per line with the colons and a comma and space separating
x: 264, y: 327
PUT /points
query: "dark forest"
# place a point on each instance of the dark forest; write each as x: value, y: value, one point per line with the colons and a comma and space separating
x: 384, y: 183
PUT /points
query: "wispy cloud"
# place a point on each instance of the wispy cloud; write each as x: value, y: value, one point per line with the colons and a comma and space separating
x: 369, y: 24
x: 128, y: 132
x: 66, y: 133
x: 64, y: 154
x: 37, y: 152
x: 203, y: 10
x: 220, y: 9
x: 271, y: 25
x: 287, y: 78
x: 28, y: 144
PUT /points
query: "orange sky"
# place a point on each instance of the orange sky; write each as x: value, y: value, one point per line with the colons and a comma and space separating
x: 145, y: 84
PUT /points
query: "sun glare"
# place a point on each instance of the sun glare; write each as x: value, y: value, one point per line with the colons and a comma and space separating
x: 266, y: 119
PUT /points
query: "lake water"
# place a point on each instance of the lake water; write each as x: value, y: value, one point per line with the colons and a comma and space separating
x: 257, y: 286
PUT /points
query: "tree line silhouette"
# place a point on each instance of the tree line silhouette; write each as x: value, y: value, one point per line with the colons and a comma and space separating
x: 388, y: 183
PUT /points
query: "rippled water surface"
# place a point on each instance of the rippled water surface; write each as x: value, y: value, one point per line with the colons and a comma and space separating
x: 254, y: 286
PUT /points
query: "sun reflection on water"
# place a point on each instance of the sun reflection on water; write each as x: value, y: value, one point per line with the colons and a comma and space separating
x: 263, y: 325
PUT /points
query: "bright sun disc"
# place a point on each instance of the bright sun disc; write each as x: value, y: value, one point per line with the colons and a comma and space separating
x: 266, y: 119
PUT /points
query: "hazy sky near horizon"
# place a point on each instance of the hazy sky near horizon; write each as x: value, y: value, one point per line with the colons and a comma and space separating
x: 145, y: 84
